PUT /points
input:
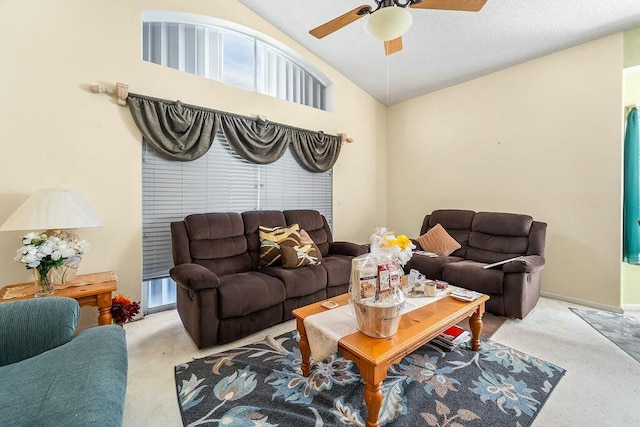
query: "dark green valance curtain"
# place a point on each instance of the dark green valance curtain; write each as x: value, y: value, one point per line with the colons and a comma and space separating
x: 185, y: 132
x: 631, y: 205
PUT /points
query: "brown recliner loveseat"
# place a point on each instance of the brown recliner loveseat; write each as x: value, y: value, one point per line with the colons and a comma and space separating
x: 486, y: 238
x: 222, y: 293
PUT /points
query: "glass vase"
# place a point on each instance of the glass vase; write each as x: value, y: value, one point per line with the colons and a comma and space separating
x: 44, y: 286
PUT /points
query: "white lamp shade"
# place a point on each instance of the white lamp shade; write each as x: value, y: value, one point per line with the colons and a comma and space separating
x: 388, y: 23
x: 52, y: 209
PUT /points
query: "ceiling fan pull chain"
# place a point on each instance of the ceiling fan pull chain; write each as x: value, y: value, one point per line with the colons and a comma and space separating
x: 387, y: 101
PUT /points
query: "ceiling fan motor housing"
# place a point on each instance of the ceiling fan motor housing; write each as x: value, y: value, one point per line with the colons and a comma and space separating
x: 388, y: 23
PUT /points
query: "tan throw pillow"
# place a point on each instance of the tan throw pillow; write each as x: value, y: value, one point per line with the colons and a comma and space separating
x: 299, y: 256
x: 438, y: 241
x: 305, y: 239
x: 271, y: 241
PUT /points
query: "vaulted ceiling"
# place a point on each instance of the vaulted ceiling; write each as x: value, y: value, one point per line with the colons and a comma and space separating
x: 444, y: 48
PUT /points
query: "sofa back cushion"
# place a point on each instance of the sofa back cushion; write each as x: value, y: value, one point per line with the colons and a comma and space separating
x: 456, y: 222
x: 498, y: 236
x: 217, y: 242
x: 314, y: 224
x: 252, y: 222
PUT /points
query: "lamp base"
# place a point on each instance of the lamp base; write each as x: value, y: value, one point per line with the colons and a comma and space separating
x: 68, y: 270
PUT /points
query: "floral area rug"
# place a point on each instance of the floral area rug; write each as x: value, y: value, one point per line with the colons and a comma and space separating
x: 261, y: 385
x: 622, y: 330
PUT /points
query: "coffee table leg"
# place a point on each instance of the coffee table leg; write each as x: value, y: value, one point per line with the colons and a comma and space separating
x: 305, y: 351
x: 475, y: 323
x: 373, y: 400
x: 373, y: 376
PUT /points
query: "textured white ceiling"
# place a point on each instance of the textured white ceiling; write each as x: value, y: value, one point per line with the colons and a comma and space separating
x: 444, y: 48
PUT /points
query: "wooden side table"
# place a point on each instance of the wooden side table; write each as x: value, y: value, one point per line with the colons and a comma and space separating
x: 88, y: 289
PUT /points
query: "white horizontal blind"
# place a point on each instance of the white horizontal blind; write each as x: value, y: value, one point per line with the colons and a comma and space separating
x: 286, y: 185
x: 219, y: 181
x: 233, y: 58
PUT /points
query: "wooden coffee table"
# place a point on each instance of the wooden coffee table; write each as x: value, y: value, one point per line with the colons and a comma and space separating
x: 374, y: 356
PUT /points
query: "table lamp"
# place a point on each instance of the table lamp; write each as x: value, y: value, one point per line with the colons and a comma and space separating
x: 55, y: 210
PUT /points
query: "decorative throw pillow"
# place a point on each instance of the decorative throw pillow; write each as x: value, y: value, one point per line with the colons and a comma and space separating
x: 299, y: 256
x: 305, y: 239
x: 271, y: 241
x: 438, y: 241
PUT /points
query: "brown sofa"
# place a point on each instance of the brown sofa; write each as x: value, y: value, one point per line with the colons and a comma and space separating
x: 223, y: 295
x: 488, y: 237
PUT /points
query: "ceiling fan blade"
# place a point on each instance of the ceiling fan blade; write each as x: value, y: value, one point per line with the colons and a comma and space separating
x: 340, y: 22
x: 392, y: 46
x: 463, y: 5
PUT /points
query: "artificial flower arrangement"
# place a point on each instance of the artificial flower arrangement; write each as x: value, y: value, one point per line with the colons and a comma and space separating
x: 43, y: 252
x: 376, y: 279
x: 123, y: 309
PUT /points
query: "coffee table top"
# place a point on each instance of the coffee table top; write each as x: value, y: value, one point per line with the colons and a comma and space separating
x: 415, y: 328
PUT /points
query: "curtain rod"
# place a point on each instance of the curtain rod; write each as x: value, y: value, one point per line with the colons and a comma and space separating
x: 121, y: 91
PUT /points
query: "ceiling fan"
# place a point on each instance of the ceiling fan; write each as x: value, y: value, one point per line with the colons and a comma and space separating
x: 391, y: 20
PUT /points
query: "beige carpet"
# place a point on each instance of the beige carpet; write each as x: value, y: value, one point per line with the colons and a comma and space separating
x: 599, y: 388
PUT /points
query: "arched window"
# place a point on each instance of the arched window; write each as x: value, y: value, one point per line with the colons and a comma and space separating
x: 232, y: 54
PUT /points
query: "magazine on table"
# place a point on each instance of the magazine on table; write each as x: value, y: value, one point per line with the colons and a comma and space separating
x: 465, y: 295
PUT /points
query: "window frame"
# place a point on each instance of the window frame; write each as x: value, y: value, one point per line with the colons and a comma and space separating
x: 280, y: 48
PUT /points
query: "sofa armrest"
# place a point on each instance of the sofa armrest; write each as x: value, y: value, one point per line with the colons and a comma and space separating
x: 33, y: 326
x: 80, y: 383
x: 346, y: 248
x: 525, y: 264
x: 194, y: 277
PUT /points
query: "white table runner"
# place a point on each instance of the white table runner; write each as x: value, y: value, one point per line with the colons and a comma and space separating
x: 325, y: 329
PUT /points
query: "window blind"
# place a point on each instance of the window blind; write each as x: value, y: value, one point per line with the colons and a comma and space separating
x: 219, y: 181
x: 231, y: 57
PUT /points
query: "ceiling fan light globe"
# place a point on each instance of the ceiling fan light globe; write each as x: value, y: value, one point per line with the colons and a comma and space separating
x: 388, y: 23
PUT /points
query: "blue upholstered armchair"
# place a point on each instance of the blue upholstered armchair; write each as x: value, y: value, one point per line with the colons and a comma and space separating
x: 48, y: 377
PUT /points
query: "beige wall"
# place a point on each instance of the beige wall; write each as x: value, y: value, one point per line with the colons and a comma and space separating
x: 55, y: 133
x: 542, y: 138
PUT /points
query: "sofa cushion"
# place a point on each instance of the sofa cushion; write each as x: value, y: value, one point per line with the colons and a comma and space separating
x: 470, y: 275
x: 301, y: 281
x: 498, y: 236
x: 300, y: 256
x: 438, y: 241
x: 457, y: 222
x: 217, y: 242
x: 338, y: 269
x: 502, y: 224
x: 431, y: 267
x: 454, y: 219
x: 245, y: 293
x: 271, y: 240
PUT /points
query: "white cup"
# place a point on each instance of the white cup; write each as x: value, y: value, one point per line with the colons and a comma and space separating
x: 430, y: 288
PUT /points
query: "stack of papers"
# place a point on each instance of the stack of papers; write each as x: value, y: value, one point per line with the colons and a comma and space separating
x: 429, y: 254
x: 465, y: 295
x: 451, y: 338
